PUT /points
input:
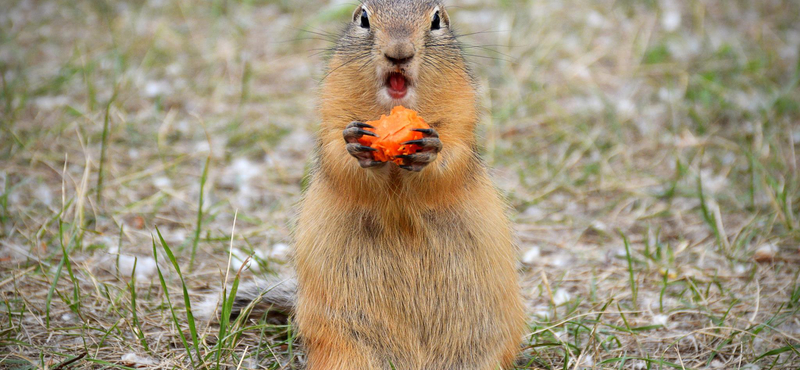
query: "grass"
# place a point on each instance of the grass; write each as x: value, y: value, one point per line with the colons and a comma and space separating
x: 651, y: 166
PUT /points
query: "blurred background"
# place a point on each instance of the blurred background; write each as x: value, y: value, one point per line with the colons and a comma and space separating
x: 648, y: 151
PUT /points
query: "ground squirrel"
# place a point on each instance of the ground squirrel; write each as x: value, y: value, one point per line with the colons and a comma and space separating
x: 409, y: 266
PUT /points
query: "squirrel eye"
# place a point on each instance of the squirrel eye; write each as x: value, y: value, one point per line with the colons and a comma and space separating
x: 364, y: 19
x: 435, y: 23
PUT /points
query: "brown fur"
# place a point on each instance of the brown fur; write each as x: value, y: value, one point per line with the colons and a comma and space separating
x: 397, y: 268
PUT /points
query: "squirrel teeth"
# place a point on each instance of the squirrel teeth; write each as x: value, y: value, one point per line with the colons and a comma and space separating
x: 397, y: 86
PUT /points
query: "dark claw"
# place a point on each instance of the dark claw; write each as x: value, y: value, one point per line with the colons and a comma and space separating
x: 365, y: 132
x: 352, y: 133
x: 362, y: 125
x: 427, y: 144
x: 426, y: 131
x: 360, y: 151
x: 355, y: 130
x: 419, y: 142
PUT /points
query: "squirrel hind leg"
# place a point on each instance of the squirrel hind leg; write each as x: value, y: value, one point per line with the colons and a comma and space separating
x: 274, y: 296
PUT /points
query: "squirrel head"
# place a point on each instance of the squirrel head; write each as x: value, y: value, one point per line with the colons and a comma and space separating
x: 405, y: 46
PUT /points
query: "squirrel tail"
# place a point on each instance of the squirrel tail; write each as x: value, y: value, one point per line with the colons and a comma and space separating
x: 273, y: 296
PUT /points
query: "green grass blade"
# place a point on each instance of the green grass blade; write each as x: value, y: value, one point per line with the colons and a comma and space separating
x: 632, y: 278
x: 104, y: 149
x: 171, y: 308
x: 227, y: 307
x: 199, y: 213
x: 136, y: 323
x: 119, y: 246
x: 57, y: 276
x: 186, y: 300
x: 76, y: 295
x: 4, y: 217
x: 776, y: 351
x: 103, y: 339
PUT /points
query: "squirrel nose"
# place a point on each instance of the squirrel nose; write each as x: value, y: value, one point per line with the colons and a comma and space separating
x: 399, y: 53
x: 399, y: 61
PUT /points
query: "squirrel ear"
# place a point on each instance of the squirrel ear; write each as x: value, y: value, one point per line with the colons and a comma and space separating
x: 444, y: 16
x: 357, y: 12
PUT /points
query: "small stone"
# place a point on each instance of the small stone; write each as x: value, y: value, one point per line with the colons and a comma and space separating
x: 765, y: 253
x: 531, y: 255
x: 660, y: 320
x: 671, y: 20
x: 132, y: 359
x: 717, y: 364
x: 599, y: 226
x: 162, y: 182
x: 145, y: 267
x: 279, y: 251
x: 561, y: 297
x: 138, y: 222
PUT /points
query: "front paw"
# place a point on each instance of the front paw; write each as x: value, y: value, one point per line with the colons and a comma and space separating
x: 429, y: 148
x: 364, y: 154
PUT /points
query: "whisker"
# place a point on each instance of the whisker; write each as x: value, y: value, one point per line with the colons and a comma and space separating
x: 488, y: 57
x: 477, y: 33
x: 306, y: 39
x: 328, y: 36
x: 360, y: 55
x: 486, y: 49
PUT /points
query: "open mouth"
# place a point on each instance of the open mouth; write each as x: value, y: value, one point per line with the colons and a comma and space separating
x: 397, y: 85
